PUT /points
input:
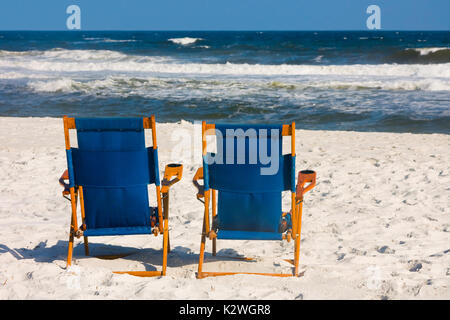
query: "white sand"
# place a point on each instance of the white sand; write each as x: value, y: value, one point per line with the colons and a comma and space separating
x: 379, y: 211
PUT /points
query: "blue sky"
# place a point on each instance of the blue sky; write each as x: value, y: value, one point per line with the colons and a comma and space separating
x: 224, y: 14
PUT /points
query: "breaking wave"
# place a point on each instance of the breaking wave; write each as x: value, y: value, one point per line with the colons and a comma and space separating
x: 430, y: 55
x: 125, y: 86
x: 62, y: 60
x: 185, y: 41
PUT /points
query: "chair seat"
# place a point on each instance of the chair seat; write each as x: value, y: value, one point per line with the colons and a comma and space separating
x: 117, y: 231
x: 248, y: 235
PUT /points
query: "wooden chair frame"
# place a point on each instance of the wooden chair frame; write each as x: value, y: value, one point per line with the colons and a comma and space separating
x: 76, y: 193
x: 209, y: 197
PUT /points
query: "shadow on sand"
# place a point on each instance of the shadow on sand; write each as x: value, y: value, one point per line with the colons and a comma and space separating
x: 179, y: 256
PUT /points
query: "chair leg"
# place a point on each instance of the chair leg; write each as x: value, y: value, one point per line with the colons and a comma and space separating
x: 168, y: 241
x: 165, y: 246
x: 296, y: 255
x: 205, y: 229
x: 202, y: 250
x: 70, y: 249
x: 214, y: 247
x: 73, y: 223
x: 298, y: 233
x: 214, y: 209
x: 86, y: 246
x: 201, y: 257
x: 166, y: 216
x: 164, y: 263
x: 83, y: 218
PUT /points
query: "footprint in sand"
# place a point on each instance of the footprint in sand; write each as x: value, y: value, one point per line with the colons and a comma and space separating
x: 414, y: 266
x: 385, y: 249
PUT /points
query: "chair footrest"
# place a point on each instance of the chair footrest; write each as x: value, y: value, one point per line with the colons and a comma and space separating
x: 248, y: 235
x: 202, y: 275
x: 141, y: 273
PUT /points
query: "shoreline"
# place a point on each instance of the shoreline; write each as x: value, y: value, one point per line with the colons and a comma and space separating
x: 189, y: 122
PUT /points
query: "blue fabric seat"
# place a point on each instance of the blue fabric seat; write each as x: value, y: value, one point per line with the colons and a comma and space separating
x: 243, y: 183
x: 117, y: 231
x: 249, y: 202
x: 109, y: 175
x: 114, y: 168
x: 248, y: 235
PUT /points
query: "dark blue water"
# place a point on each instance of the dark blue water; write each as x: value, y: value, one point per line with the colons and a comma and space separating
x: 365, y: 81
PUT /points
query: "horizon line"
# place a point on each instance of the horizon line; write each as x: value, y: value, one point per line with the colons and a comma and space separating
x: 225, y: 30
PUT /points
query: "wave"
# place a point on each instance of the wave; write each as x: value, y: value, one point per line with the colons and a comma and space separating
x: 429, y: 85
x: 108, y: 40
x: 109, y: 85
x: 68, y: 55
x: 59, y: 85
x: 151, y: 86
x: 185, y: 41
x: 318, y: 58
x: 407, y: 85
x: 20, y: 75
x: 63, y: 60
x: 426, y: 51
x: 430, y: 55
x: 57, y: 64
x: 152, y: 66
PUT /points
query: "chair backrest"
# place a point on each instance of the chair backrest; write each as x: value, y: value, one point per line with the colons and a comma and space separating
x: 250, y: 172
x: 114, y: 168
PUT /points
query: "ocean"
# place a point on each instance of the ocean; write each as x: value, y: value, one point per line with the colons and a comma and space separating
x: 325, y: 80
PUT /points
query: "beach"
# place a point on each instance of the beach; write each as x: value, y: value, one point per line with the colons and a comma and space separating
x: 376, y: 226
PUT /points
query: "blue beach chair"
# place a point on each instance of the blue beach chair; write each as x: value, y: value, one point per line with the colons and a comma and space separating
x: 109, y: 172
x: 248, y: 191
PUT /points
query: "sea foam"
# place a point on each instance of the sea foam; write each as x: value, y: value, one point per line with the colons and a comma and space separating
x: 185, y: 41
x: 58, y: 65
x: 426, y: 51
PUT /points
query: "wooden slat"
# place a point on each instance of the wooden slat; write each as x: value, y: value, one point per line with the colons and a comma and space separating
x: 70, y: 123
x: 293, y: 138
x: 286, y: 130
x: 210, y: 129
x: 147, y: 123
x: 153, y: 127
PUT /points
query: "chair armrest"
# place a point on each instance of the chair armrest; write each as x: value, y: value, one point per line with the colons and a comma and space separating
x: 171, y: 170
x: 304, y: 177
x: 65, y: 176
x: 200, y: 189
